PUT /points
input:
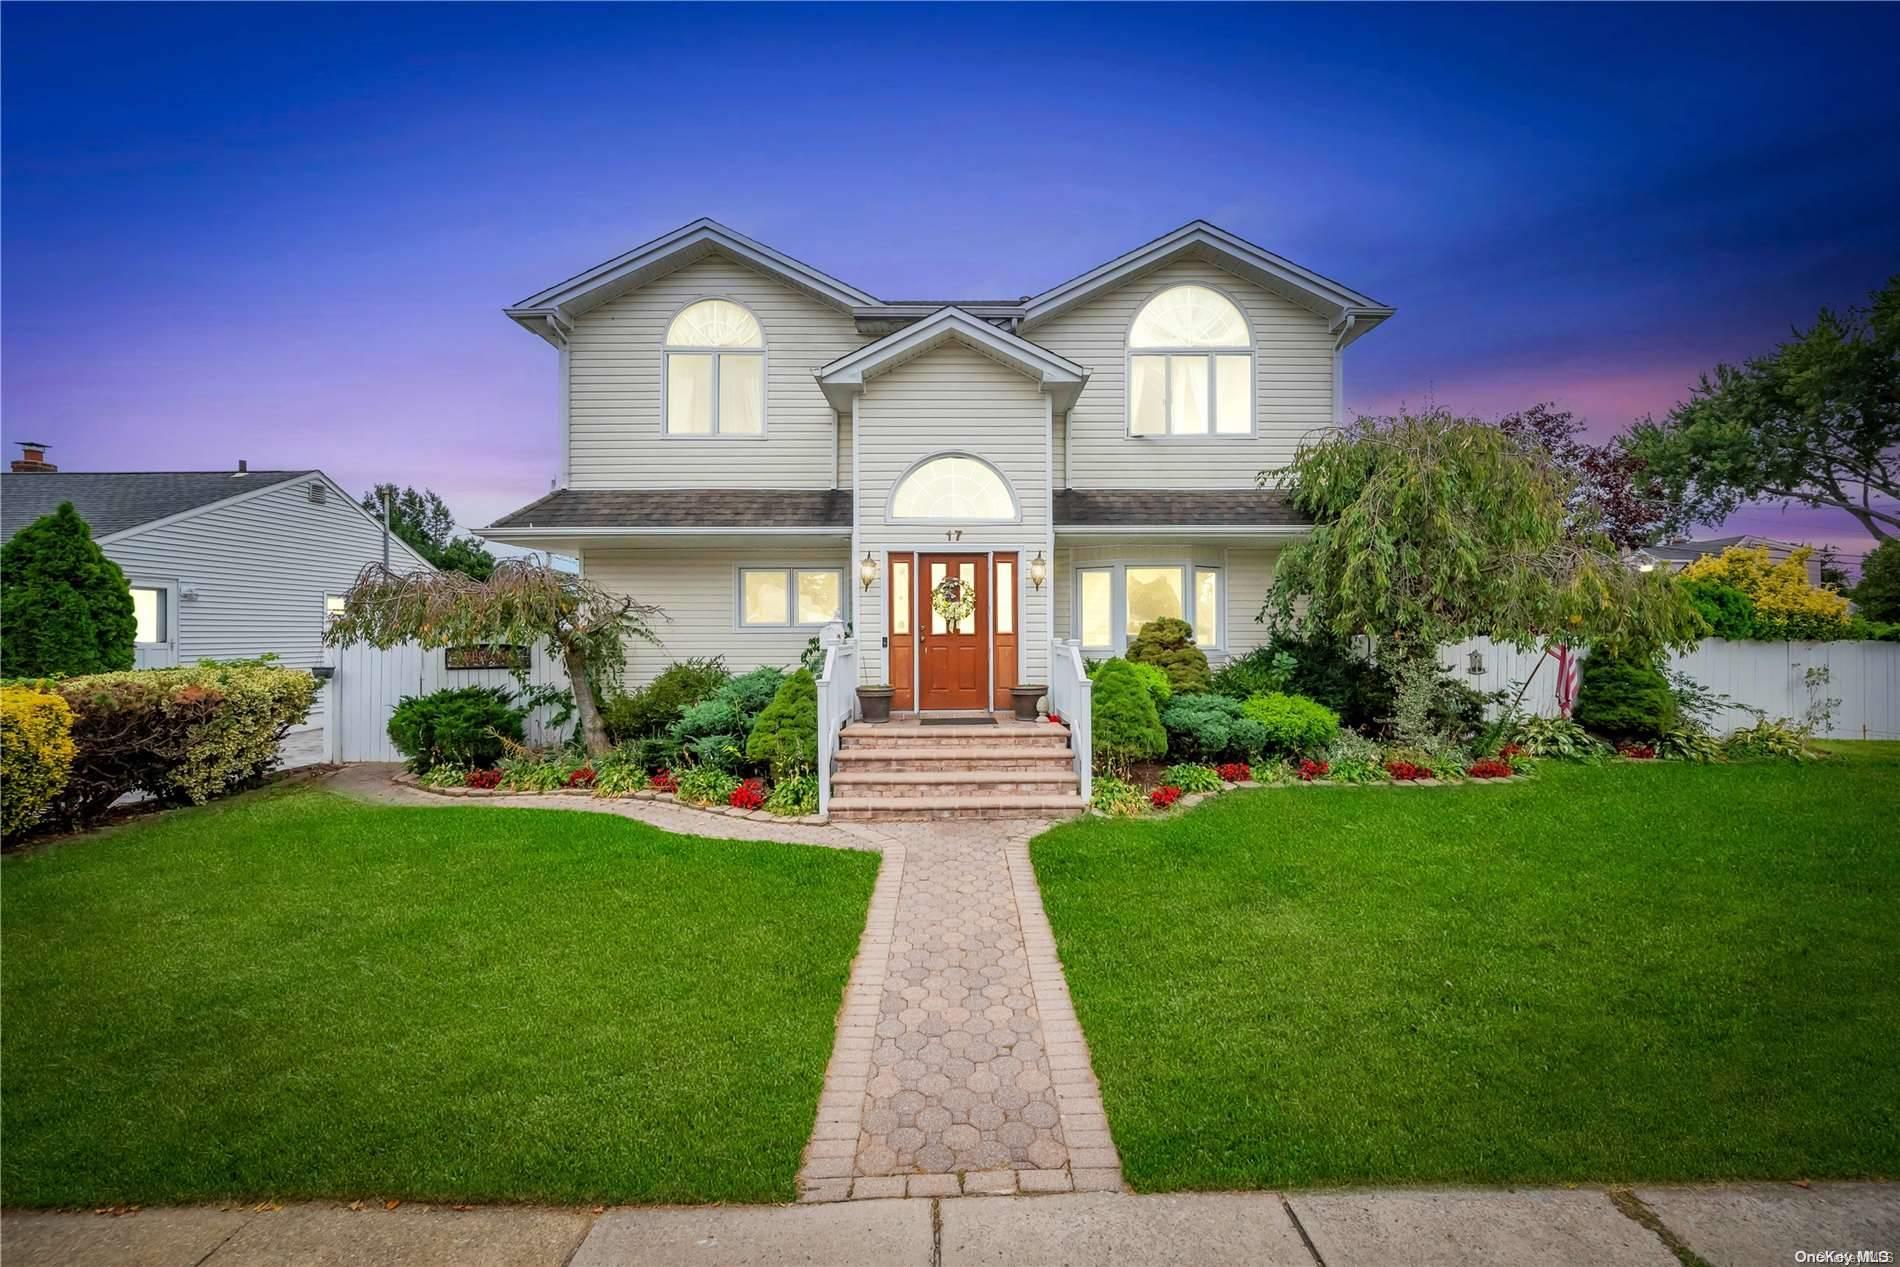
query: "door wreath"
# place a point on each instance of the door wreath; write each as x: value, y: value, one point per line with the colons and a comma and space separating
x: 953, y: 601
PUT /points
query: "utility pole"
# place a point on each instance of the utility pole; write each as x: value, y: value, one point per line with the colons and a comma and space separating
x: 385, y: 527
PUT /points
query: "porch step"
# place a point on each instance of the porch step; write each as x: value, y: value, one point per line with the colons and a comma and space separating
x: 921, y: 808
x: 914, y: 735
x: 888, y: 785
x: 972, y: 757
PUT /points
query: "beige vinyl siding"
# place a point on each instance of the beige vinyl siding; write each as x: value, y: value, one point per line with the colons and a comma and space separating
x: 1293, y: 387
x: 261, y: 568
x: 842, y: 478
x: 614, y: 391
x: 1246, y: 573
x: 953, y: 399
x: 698, y: 588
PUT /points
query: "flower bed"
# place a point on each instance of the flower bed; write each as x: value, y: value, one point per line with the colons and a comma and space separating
x: 749, y: 798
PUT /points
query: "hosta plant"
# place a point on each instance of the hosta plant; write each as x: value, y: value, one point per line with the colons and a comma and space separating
x: 705, y: 785
x: 529, y: 772
x: 1192, y: 778
x: 1557, y: 737
x: 619, y: 773
x: 444, y: 776
x: 1776, y: 739
x: 1685, y: 744
x: 794, y: 796
x: 1116, y: 797
x: 1270, y: 772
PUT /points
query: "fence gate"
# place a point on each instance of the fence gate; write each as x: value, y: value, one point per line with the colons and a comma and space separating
x: 368, y: 684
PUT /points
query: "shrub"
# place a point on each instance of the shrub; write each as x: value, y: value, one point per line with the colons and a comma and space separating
x: 1310, y: 769
x: 749, y: 794
x: 1293, y: 723
x: 1623, y: 698
x: 654, y: 754
x: 657, y: 705
x: 1124, y: 725
x: 1331, y: 671
x: 462, y: 726
x: 1489, y: 768
x: 1786, y: 605
x: 1557, y: 737
x: 535, y: 772
x: 794, y: 797
x: 1352, y: 758
x: 721, y: 752
x: 65, y: 608
x: 1729, y: 612
x: 1260, y: 671
x: 731, y: 711
x: 785, y: 736
x: 1115, y: 797
x: 1878, y: 594
x: 1168, y: 644
x: 1151, y: 677
x: 1192, y: 778
x: 1688, y: 744
x: 1202, y: 727
x: 1775, y: 739
x: 1164, y: 797
x: 36, y: 754
x: 708, y: 717
x: 704, y: 785
x: 177, y: 734
x: 1234, y: 772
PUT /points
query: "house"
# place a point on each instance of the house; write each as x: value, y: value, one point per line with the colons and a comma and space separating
x: 1673, y: 556
x: 223, y: 564
x: 760, y: 448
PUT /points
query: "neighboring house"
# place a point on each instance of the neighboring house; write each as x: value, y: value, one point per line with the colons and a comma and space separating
x: 1673, y: 556
x: 223, y: 564
x: 759, y: 449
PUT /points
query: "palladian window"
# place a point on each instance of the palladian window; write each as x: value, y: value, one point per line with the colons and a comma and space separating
x: 715, y: 371
x: 953, y: 489
x: 1190, y: 366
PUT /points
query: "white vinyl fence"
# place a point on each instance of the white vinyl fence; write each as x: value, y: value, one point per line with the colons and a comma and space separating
x: 368, y: 684
x: 1770, y: 676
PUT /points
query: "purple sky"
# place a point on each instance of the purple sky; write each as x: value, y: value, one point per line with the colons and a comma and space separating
x: 286, y: 233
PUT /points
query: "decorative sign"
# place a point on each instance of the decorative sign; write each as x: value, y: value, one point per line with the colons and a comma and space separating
x: 488, y: 655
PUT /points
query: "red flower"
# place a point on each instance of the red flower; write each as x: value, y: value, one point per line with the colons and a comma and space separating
x: 1637, y: 751
x: 1311, y: 769
x: 1054, y: 717
x: 1510, y: 750
x: 583, y: 777
x: 1162, y: 797
x: 1406, y: 772
x: 1490, y: 768
x: 748, y: 795
x: 664, y: 782
x: 482, y: 779
x: 1234, y: 771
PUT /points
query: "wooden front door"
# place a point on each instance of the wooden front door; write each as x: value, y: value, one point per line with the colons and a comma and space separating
x: 953, y: 661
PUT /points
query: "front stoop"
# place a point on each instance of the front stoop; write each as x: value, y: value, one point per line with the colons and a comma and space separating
x: 908, y: 771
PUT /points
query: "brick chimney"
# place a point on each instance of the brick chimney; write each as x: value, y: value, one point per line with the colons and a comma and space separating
x: 32, y: 457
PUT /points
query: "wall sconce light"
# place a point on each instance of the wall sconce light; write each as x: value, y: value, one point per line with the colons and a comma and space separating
x: 867, y: 570
x: 1477, y: 664
x: 1038, y: 570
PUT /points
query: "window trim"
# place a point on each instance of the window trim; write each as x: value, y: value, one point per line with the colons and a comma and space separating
x: 1009, y: 489
x: 1118, y: 600
x: 762, y: 352
x: 790, y: 572
x: 1208, y: 353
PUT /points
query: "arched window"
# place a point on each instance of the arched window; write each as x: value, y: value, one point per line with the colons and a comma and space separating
x: 953, y: 488
x: 1190, y: 366
x: 715, y: 371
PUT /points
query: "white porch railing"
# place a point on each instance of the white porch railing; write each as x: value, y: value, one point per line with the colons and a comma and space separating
x: 1071, y: 697
x: 837, y: 702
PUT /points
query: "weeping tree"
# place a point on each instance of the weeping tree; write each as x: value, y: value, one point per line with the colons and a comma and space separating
x: 521, y: 602
x: 1430, y: 528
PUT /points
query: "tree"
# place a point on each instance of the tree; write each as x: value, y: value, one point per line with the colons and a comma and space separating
x: 1878, y: 594
x: 65, y: 608
x: 1611, y: 491
x: 522, y: 601
x: 424, y: 522
x: 1815, y: 422
x: 1785, y: 605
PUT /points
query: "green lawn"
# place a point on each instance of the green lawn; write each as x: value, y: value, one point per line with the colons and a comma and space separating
x: 1615, y: 974
x: 294, y: 995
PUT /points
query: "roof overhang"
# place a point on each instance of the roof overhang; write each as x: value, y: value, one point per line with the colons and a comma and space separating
x: 551, y: 312
x: 845, y: 377
x: 1348, y: 313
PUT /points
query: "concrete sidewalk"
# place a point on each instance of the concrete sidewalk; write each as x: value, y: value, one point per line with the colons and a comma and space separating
x: 1751, y: 1225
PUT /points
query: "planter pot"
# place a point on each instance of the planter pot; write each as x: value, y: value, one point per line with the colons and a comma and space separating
x: 1024, y: 698
x: 874, y: 702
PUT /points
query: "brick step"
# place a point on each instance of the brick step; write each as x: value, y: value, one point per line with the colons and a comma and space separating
x: 922, y: 757
x: 911, y: 735
x: 922, y: 808
x: 889, y: 784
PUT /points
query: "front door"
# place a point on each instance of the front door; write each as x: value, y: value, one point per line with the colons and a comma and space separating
x: 954, y: 659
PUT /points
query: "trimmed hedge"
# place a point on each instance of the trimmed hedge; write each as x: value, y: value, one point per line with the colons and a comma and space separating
x: 64, y: 606
x: 1124, y: 727
x: 1168, y: 644
x: 1208, y: 727
x: 1623, y: 699
x: 36, y: 754
x: 1294, y: 724
x: 462, y: 726
x: 786, y: 733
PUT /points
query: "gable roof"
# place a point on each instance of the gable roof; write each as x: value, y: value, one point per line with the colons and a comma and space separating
x: 1349, y: 313
x: 113, y: 502
x: 549, y: 312
x: 844, y: 377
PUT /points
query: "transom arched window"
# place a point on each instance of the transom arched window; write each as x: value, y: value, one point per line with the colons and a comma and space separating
x: 953, y: 488
x: 1190, y: 366
x: 715, y: 371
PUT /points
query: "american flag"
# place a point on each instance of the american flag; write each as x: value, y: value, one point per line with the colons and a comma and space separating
x: 1567, y: 661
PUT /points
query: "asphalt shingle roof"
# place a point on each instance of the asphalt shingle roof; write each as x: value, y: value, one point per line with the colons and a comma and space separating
x: 1176, y: 507
x: 112, y: 501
